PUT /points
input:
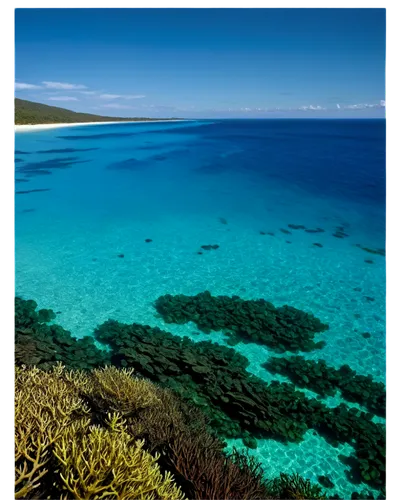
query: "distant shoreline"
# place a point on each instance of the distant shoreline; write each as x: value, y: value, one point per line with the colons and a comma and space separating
x: 45, y: 126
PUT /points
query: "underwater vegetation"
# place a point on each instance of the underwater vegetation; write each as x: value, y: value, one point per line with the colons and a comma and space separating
x: 280, y: 328
x: 185, y: 398
x: 319, y: 377
x: 42, y: 345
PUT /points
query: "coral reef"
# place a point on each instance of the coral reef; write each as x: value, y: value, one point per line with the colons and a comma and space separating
x: 326, y: 380
x: 45, y: 405
x: 211, y: 377
x: 59, y: 450
x: 94, y: 462
x: 70, y: 447
x: 214, y: 378
x: 43, y: 345
x: 281, y: 328
x: 293, y: 486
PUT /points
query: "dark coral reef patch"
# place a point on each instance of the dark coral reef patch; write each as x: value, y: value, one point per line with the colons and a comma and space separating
x: 42, y: 345
x: 326, y: 380
x: 375, y: 251
x: 44, y: 167
x: 281, y: 328
x: 32, y: 191
x: 210, y: 247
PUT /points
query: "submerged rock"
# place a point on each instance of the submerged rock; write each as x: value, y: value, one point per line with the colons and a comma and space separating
x: 325, y: 482
x: 210, y: 247
x: 250, y: 442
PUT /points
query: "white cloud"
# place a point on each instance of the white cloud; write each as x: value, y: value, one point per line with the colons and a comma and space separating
x: 121, y: 96
x: 63, y: 86
x: 88, y: 92
x: 116, y: 106
x: 358, y: 106
x: 63, y: 98
x: 25, y: 86
x: 338, y: 106
x: 382, y: 104
x: 276, y: 109
x: 311, y: 108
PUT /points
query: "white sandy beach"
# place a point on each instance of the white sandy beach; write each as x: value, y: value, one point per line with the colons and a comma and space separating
x: 44, y: 126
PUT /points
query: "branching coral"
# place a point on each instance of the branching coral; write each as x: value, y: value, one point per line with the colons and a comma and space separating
x: 120, y: 391
x: 54, y: 437
x: 159, y: 424
x: 195, y: 456
x: 198, y: 459
x: 147, y: 443
x: 45, y: 405
x: 293, y: 486
x: 108, y: 463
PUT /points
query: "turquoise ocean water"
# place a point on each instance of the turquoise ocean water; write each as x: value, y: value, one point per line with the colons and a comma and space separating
x: 87, y: 195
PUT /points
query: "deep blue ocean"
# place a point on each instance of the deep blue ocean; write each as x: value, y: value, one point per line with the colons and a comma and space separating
x: 86, y: 195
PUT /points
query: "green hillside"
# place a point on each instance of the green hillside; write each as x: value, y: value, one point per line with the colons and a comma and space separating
x: 34, y: 113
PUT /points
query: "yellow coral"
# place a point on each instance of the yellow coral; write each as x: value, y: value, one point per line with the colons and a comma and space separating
x: 121, y: 391
x: 108, y: 463
x: 52, y: 422
x: 82, y: 381
x: 45, y: 405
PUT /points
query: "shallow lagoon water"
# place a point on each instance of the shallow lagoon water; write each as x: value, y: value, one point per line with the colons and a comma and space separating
x: 108, y: 188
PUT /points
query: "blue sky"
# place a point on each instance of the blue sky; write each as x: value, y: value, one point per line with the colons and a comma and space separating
x: 248, y: 63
